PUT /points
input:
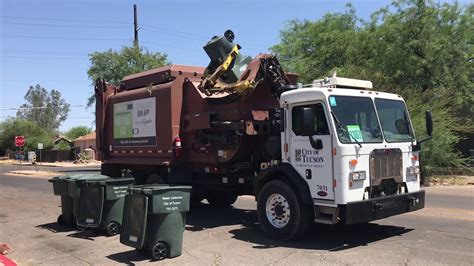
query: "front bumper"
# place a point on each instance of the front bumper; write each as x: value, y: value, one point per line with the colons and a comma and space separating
x: 374, y: 209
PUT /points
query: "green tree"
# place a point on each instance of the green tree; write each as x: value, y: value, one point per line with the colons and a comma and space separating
x: 113, y: 65
x: 77, y: 131
x: 313, y: 49
x: 44, y: 108
x: 33, y: 133
x: 416, y: 48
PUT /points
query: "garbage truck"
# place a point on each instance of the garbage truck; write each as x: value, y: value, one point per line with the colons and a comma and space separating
x: 333, y: 151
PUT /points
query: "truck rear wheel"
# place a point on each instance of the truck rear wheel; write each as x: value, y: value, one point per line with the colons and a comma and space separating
x: 154, y: 179
x: 221, y: 198
x: 110, y: 170
x: 279, y: 212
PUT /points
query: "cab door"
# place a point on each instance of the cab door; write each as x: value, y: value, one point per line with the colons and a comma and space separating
x: 311, y: 151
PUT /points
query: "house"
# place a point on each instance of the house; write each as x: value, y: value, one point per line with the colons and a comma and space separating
x: 85, y: 142
x: 60, y: 139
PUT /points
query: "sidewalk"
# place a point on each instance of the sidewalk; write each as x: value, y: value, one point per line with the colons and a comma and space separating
x: 60, y: 164
x: 34, y: 173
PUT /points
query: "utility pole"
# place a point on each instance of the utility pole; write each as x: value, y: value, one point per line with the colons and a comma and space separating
x: 135, y: 25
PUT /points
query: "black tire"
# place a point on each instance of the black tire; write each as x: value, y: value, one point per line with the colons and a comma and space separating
x: 281, y: 199
x: 221, y: 199
x: 61, y: 220
x: 113, y: 228
x: 155, y: 179
x: 110, y: 170
x: 159, y: 251
x: 196, y: 197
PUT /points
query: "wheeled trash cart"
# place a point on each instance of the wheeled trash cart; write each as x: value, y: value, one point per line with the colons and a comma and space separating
x: 101, y: 203
x: 65, y: 186
x: 154, y: 219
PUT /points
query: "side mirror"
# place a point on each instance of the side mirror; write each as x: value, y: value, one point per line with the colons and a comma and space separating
x: 429, y: 126
x: 307, y: 118
x: 429, y: 123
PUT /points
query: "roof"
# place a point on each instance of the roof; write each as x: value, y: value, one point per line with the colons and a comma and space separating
x: 60, y: 138
x: 90, y: 136
x: 302, y: 95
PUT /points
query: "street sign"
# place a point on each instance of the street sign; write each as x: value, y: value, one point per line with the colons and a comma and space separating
x: 20, y: 141
x: 40, y: 146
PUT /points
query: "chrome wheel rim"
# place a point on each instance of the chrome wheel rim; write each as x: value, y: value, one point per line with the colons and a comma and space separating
x: 277, y: 210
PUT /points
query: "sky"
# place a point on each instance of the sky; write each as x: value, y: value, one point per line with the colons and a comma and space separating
x: 47, y: 42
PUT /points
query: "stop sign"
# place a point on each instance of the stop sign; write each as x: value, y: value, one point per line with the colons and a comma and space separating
x: 19, y: 141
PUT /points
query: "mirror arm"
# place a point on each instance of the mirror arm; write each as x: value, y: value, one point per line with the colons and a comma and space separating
x: 424, y: 139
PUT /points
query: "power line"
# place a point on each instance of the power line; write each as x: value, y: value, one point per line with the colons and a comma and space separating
x: 171, y: 32
x: 70, y: 20
x: 93, y: 39
x: 61, y: 38
x: 173, y: 47
x: 36, y: 54
x: 37, y: 107
x: 63, y: 25
x: 196, y: 37
x: 69, y: 117
x: 175, y: 32
x: 36, y: 57
x: 41, y: 52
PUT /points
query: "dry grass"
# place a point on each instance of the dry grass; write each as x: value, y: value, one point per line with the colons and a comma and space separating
x: 446, y: 180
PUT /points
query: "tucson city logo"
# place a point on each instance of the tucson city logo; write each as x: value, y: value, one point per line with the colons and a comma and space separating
x: 308, y: 156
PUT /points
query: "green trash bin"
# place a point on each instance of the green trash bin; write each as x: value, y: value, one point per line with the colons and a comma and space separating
x: 101, y: 203
x: 65, y: 187
x: 154, y: 219
x: 60, y: 189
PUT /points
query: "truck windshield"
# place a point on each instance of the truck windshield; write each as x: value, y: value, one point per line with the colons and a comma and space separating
x: 358, y: 120
x: 394, y: 119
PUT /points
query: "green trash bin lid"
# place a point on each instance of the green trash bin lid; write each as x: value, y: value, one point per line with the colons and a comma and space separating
x: 115, y: 188
x: 158, y: 189
x: 60, y: 184
x: 88, y: 177
x: 109, y: 181
x: 164, y: 198
x: 75, y: 182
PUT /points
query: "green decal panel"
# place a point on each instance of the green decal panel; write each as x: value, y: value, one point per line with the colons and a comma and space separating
x: 135, y: 123
x: 123, y: 125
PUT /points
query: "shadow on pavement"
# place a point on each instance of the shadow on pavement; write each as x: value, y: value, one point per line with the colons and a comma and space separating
x: 84, y: 234
x: 319, y: 237
x: 324, y: 237
x: 128, y: 257
x: 75, y: 232
x: 56, y: 228
x: 203, y: 216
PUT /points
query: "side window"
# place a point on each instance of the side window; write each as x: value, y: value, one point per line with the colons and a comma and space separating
x: 320, y: 122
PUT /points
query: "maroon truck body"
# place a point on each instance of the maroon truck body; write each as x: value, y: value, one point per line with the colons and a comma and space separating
x: 217, y: 132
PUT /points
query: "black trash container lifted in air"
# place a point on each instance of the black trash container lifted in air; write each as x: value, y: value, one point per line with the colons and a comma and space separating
x: 65, y: 186
x: 154, y: 219
x: 101, y: 203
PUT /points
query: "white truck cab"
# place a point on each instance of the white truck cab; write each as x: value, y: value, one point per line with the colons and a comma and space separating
x: 354, y: 147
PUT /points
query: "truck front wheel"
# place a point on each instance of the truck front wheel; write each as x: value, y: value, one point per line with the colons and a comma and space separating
x: 279, y: 212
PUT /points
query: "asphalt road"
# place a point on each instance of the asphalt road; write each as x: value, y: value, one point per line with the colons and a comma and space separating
x: 442, y: 233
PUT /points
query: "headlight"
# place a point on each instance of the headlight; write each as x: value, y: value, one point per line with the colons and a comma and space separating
x: 359, y: 175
